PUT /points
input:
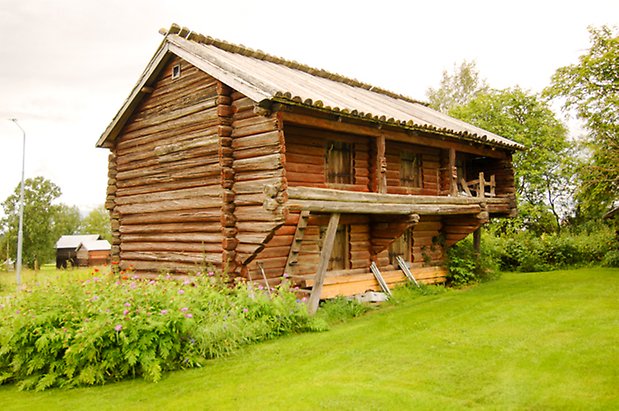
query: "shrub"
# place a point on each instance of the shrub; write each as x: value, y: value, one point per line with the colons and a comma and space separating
x: 341, y: 309
x: 611, y: 259
x: 524, y: 251
x: 99, y: 330
x: 466, y: 266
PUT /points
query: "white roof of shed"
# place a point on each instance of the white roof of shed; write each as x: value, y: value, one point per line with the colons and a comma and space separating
x: 265, y: 78
x: 73, y: 241
x: 96, y: 245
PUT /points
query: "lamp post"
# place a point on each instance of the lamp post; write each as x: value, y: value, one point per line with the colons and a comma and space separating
x: 20, y: 233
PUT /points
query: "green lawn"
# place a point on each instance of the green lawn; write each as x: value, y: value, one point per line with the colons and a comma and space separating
x: 48, y: 272
x: 527, y: 341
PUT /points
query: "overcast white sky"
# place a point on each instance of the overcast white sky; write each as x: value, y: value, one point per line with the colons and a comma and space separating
x: 66, y: 66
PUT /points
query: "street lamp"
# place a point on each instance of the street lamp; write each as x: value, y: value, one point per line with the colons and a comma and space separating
x: 20, y: 233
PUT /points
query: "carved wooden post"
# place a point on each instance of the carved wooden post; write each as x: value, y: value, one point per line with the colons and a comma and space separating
x: 453, y: 171
x: 325, y: 255
x: 381, y: 165
x: 481, y: 193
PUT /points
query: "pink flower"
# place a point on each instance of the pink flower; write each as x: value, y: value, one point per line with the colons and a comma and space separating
x: 184, y: 309
x: 181, y: 291
x: 210, y: 273
x: 245, y: 310
x: 132, y: 285
x: 163, y: 312
x: 286, y: 275
x: 118, y: 327
x: 187, y: 282
x: 127, y: 304
x: 189, y: 315
x: 125, y: 312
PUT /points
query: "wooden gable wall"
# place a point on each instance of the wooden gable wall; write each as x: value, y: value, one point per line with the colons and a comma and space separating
x: 188, y: 174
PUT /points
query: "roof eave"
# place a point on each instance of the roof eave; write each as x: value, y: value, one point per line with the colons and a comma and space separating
x: 153, y: 68
x: 404, y: 125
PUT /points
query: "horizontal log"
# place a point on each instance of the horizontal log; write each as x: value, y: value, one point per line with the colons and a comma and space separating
x: 380, y: 208
x: 268, y: 162
x: 170, y: 205
x: 270, y: 138
x: 170, y: 257
x: 207, y: 217
x: 172, y: 246
x: 213, y: 192
x: 165, y: 228
x: 199, y: 238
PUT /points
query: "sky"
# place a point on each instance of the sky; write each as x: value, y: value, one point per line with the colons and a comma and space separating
x: 66, y: 66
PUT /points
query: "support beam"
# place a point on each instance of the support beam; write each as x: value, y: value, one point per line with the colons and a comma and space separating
x: 323, y: 264
x: 453, y: 173
x: 381, y: 165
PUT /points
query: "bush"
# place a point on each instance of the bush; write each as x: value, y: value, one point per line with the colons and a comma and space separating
x: 524, y: 251
x: 466, y: 267
x: 611, y: 259
x: 341, y: 309
x: 91, y: 332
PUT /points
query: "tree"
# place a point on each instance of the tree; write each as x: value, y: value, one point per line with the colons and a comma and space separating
x: 39, y: 220
x: 66, y: 220
x: 97, y: 222
x: 457, y: 89
x: 591, y: 90
x: 544, y: 170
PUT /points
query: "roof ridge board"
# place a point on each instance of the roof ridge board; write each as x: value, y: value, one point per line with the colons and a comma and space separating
x: 261, y: 55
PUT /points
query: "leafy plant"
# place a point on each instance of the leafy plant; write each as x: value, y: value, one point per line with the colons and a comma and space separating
x: 103, y: 329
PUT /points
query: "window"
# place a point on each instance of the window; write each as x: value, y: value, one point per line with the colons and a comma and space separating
x: 401, y: 247
x: 176, y: 71
x: 339, y: 259
x: 339, y: 163
x: 410, y: 169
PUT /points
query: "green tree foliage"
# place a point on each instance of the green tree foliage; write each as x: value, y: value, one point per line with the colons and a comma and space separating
x: 543, y: 171
x: 97, y: 222
x: 591, y: 89
x: 41, y: 220
x: 457, y: 89
x: 66, y: 220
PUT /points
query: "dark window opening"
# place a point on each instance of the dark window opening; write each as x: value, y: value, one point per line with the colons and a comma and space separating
x: 176, y: 71
x: 339, y: 167
x: 401, y: 247
x: 340, y: 255
x: 410, y: 169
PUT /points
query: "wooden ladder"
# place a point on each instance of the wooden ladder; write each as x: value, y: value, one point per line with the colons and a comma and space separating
x: 379, y: 278
x: 407, y: 272
x: 295, y: 247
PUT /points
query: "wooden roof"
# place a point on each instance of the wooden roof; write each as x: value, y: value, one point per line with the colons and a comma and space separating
x: 267, y: 79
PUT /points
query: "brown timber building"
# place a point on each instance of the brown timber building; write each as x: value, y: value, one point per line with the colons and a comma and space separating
x: 229, y: 156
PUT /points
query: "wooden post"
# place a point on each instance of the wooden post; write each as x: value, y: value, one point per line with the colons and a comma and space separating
x: 381, y: 164
x: 481, y: 193
x: 477, y: 241
x: 453, y: 172
x: 325, y: 255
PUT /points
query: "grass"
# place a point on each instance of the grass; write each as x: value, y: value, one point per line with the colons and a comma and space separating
x: 48, y: 272
x: 526, y: 341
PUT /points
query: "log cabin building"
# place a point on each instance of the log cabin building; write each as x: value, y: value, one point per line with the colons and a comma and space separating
x: 230, y: 157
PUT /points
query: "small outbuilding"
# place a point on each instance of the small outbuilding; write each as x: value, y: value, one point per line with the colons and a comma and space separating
x: 90, y: 253
x: 66, y: 248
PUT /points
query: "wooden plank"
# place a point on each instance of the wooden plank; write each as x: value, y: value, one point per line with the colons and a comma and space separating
x: 325, y: 255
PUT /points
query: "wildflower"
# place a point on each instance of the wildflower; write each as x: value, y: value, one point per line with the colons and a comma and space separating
x: 304, y: 299
x: 94, y: 298
x: 210, y: 273
x: 17, y: 312
x: 163, y: 312
x: 186, y: 282
x: 127, y: 304
x: 96, y: 279
x: 199, y: 273
x: 246, y: 310
x: 184, y: 309
x: 181, y: 291
x: 189, y: 315
x: 118, y: 327
x: 152, y: 282
x: 96, y: 270
x: 125, y: 312
x: 133, y: 285
x: 286, y: 275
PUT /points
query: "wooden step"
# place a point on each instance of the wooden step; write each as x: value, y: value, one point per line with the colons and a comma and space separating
x: 348, y: 285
